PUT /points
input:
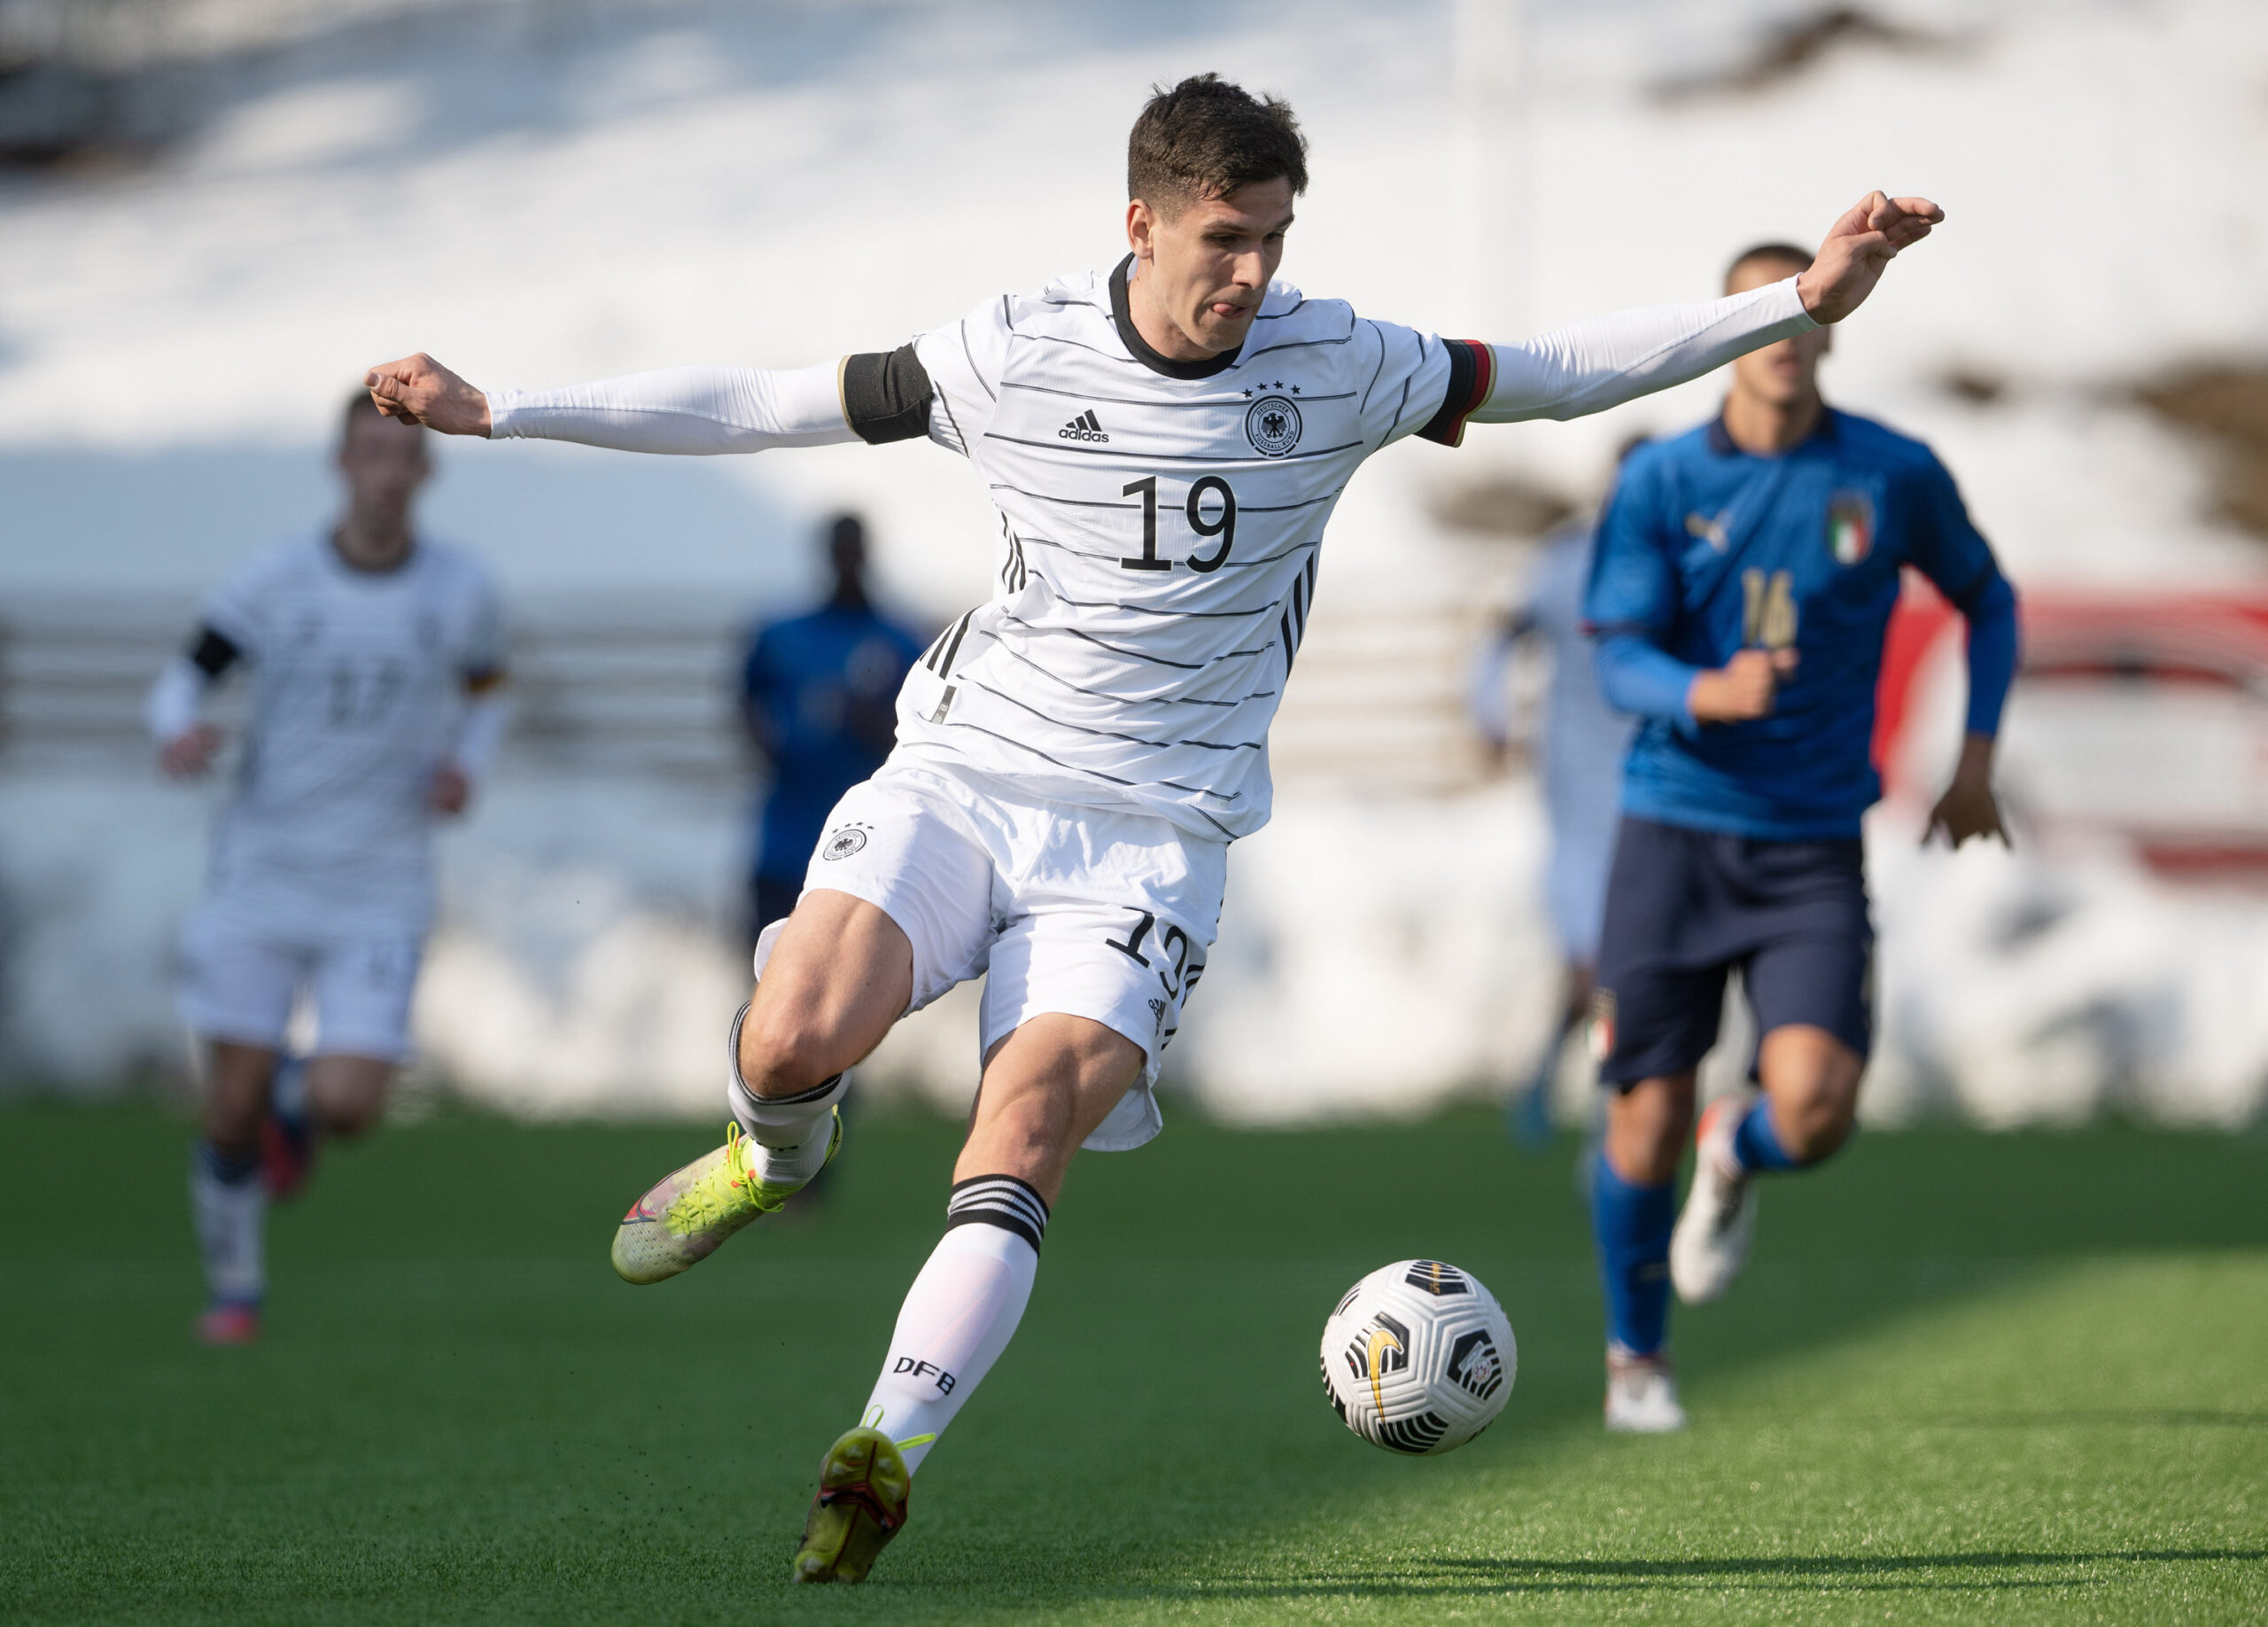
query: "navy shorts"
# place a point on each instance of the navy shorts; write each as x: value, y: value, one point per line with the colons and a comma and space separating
x: 1685, y: 907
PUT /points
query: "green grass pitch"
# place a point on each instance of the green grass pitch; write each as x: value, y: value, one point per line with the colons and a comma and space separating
x: 2015, y: 1378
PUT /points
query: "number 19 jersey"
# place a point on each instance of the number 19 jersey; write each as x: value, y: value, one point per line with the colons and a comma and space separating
x: 1160, y: 522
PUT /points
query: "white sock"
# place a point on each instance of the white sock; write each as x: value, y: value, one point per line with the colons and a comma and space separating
x: 960, y: 1314
x: 790, y: 1133
x: 230, y: 1203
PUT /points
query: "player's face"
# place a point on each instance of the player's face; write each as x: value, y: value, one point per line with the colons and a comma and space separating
x: 1212, y: 262
x: 384, y: 460
x: 1788, y: 370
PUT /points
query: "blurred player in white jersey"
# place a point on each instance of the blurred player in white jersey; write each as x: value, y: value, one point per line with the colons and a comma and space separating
x: 377, y: 660
x: 1163, y: 441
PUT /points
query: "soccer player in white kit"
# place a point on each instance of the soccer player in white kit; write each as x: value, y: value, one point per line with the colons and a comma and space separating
x: 1164, y: 443
x: 377, y: 658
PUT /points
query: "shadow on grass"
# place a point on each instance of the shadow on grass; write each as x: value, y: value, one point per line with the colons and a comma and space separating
x: 1812, y: 1573
x: 2133, y: 1417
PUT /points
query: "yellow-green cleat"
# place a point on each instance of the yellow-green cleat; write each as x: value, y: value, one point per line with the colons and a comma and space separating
x: 687, y: 1214
x: 863, y: 1488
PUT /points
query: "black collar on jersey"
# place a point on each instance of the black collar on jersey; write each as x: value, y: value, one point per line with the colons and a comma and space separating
x: 1130, y: 337
x: 1721, y: 443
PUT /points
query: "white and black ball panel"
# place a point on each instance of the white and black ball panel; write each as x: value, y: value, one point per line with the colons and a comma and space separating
x: 1418, y: 1358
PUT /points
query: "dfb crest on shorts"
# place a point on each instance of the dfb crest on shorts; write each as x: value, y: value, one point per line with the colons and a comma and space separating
x: 1850, y: 526
x: 1273, y: 425
x: 845, y: 842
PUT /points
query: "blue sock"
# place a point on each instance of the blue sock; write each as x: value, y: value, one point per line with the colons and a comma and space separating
x: 1632, y: 1225
x: 287, y: 1098
x: 1757, y: 1145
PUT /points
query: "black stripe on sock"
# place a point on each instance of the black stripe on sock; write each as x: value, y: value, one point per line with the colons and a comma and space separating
x: 1001, y: 1201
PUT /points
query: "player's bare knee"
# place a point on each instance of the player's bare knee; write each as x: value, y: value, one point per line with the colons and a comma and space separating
x: 1821, y: 1135
x: 786, y: 1051
x: 1815, y: 1123
x: 1647, y: 1127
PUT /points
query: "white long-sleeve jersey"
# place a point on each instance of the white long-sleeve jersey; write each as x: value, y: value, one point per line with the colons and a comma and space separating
x: 1161, y: 520
x: 359, y: 681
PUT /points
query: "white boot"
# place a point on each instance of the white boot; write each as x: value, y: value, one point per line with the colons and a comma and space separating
x: 1641, y: 1395
x: 1711, y: 1242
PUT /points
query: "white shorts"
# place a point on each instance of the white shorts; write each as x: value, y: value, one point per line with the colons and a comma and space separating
x: 238, y: 982
x: 1100, y: 914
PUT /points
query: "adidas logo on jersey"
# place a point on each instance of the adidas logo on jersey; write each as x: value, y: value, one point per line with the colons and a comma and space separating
x: 1084, y: 427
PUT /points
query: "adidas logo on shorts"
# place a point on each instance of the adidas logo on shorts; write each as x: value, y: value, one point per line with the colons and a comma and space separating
x: 1084, y: 427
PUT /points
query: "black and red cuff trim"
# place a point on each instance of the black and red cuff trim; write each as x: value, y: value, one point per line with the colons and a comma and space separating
x: 1473, y: 374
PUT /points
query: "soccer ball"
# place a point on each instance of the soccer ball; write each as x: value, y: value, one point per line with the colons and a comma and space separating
x: 1418, y: 1358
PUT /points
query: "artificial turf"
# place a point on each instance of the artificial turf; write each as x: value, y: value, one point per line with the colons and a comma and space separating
x: 2003, y: 1378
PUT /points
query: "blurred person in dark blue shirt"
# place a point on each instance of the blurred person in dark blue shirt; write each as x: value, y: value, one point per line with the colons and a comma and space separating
x: 819, y: 695
x: 1743, y: 582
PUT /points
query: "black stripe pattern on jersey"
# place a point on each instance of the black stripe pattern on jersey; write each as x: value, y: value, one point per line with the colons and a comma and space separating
x: 1113, y: 733
x: 939, y: 657
x: 1153, y: 403
x: 885, y: 395
x: 1123, y: 456
x: 1294, y: 624
x: 1136, y: 655
x: 1001, y: 1201
x: 1114, y: 695
x: 1014, y: 572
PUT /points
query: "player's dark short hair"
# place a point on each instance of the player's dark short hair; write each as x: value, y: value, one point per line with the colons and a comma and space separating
x: 846, y: 531
x: 1207, y: 138
x: 1784, y: 254
x: 359, y: 405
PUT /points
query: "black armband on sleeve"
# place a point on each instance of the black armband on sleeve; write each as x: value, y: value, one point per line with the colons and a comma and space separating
x: 1473, y: 374
x: 885, y: 395
x: 213, y: 653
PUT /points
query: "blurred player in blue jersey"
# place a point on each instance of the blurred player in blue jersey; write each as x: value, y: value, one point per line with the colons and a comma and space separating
x: 820, y: 696
x: 1744, y: 577
x: 1583, y: 741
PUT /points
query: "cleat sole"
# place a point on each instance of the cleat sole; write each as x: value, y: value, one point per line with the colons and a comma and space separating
x: 864, y: 1487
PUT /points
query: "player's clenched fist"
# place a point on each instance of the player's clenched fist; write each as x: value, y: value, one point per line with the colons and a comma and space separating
x: 420, y: 390
x: 1742, y: 688
x: 1858, y: 247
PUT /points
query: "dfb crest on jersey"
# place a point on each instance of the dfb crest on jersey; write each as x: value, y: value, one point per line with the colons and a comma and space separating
x: 1273, y: 425
x: 845, y: 842
x: 1850, y: 526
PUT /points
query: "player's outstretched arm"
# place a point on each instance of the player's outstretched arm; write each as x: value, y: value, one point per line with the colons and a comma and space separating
x: 684, y: 411
x: 1594, y: 365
